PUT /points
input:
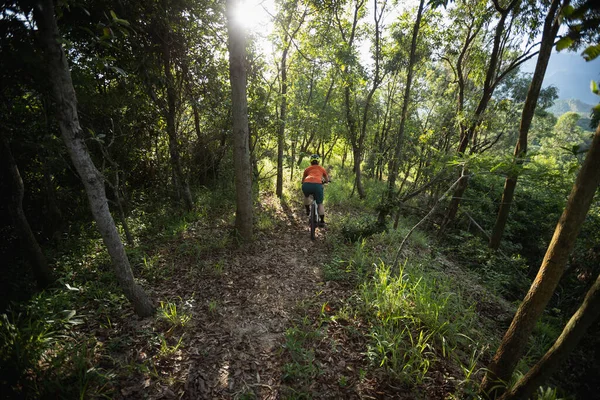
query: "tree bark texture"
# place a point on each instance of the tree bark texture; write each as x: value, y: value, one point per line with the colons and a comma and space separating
x: 571, y: 335
x: 356, y: 148
x: 515, y: 339
x: 66, y: 110
x: 31, y: 247
x: 241, y: 134
x: 551, y: 25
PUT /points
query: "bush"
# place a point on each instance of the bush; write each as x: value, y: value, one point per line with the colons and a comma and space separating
x: 355, y: 228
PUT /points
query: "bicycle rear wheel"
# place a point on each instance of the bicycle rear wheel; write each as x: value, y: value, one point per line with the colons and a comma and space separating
x: 313, y: 220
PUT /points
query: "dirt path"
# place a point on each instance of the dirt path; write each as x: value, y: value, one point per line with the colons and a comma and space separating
x: 241, y: 346
x: 241, y: 305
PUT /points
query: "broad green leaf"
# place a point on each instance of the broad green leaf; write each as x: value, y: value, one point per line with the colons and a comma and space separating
x: 113, y: 15
x: 594, y: 87
x: 568, y: 10
x: 122, y: 21
x: 591, y: 52
x: 564, y: 43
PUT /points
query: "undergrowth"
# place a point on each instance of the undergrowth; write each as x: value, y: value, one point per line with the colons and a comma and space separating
x: 421, y: 317
x: 68, y: 341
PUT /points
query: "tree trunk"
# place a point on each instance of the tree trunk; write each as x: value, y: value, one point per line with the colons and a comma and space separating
x: 358, y: 173
x: 571, y: 335
x: 181, y: 184
x: 551, y: 26
x: 282, y: 117
x: 515, y: 339
x: 455, y: 202
x: 491, y: 80
x: 403, y: 117
x: 294, y: 144
x: 356, y: 137
x: 239, y: 102
x: 66, y: 108
x: 122, y: 214
x: 356, y: 149
x: 31, y: 247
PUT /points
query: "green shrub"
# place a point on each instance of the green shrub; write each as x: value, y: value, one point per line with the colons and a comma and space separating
x: 355, y: 228
x: 39, y: 354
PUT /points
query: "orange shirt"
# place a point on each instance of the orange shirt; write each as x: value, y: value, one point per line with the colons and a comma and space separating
x: 315, y: 174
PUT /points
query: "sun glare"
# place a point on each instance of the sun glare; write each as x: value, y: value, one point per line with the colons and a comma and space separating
x: 251, y: 14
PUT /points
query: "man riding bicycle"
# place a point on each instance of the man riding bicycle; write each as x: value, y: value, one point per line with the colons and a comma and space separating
x: 312, y: 183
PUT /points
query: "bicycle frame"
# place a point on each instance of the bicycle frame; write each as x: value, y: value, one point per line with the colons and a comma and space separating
x: 313, y: 217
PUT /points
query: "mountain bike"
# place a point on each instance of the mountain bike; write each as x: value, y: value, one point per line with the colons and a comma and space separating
x: 313, y: 217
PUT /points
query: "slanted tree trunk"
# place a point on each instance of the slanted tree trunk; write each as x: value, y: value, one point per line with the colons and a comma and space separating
x: 515, y: 339
x: 31, y: 247
x: 551, y: 26
x: 588, y: 312
x: 492, y: 79
x: 241, y: 134
x: 72, y: 134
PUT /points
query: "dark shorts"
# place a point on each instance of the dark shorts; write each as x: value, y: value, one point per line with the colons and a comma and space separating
x: 316, y: 189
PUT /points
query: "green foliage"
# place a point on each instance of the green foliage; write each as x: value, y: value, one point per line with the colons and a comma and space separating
x: 502, y: 274
x: 546, y: 331
x: 542, y: 393
x: 415, y: 319
x: 173, y: 315
x: 353, y: 264
x: 40, y: 356
x: 301, y: 368
x: 167, y: 349
x: 355, y: 228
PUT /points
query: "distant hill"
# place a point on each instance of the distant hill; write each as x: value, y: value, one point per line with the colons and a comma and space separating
x: 571, y: 105
x: 571, y: 74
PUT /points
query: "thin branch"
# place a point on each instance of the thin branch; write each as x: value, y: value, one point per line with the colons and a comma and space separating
x: 462, y: 176
x: 476, y: 224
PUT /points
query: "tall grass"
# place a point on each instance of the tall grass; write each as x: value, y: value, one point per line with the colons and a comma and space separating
x: 415, y: 319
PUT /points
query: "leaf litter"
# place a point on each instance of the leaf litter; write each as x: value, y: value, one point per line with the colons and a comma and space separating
x: 232, y: 316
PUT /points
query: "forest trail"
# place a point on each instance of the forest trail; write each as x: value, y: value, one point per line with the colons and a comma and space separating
x: 241, y: 305
x: 240, y: 349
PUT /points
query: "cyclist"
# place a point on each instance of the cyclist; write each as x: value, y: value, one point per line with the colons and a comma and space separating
x: 312, y: 183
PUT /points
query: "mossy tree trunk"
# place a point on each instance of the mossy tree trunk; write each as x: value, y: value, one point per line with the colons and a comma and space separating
x: 571, y: 335
x: 516, y: 337
x: 551, y: 26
